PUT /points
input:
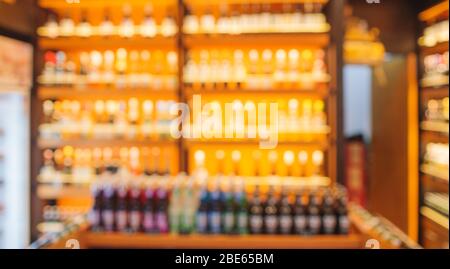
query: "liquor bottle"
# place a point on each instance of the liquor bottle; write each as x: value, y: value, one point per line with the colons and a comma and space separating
x: 51, y: 27
x: 95, y: 214
x: 300, y: 215
x: 188, y: 206
x: 329, y: 222
x: 317, y: 158
x: 121, y: 214
x: 256, y: 213
x: 126, y: 28
x: 135, y: 207
x: 314, y: 215
x: 106, y: 27
x: 84, y: 28
x: 240, y: 208
x: 66, y: 26
x: 214, y: 209
x: 303, y: 160
x: 228, y: 214
x: 175, y: 207
x: 342, y: 216
x: 207, y: 23
x: 148, y: 27
x: 201, y: 220
x: 271, y: 221
x: 288, y: 158
x: 286, y: 214
x: 191, y: 24
x: 108, y: 203
x: 162, y: 203
x: 168, y: 26
x: 148, y: 222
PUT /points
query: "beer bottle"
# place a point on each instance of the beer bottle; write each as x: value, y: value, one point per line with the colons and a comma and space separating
x: 300, y: 217
x: 286, y: 214
x: 314, y: 216
x: 135, y: 208
x: 241, y: 210
x: 121, y: 214
x: 342, y: 216
x: 228, y: 210
x: 214, y: 210
x: 162, y: 204
x: 271, y: 224
x: 328, y: 215
x: 256, y: 213
x: 202, y: 212
x: 148, y: 222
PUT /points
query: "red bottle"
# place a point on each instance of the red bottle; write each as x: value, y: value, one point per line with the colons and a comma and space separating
x: 121, y: 214
x: 148, y: 220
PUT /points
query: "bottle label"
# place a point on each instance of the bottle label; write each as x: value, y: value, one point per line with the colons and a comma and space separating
x: 286, y: 224
x: 228, y: 221
x: 94, y: 218
x: 202, y: 222
x: 329, y: 224
x: 256, y: 223
x: 343, y: 224
x: 149, y: 222
x: 215, y: 222
x: 161, y: 222
x: 314, y: 224
x: 300, y: 224
x: 271, y: 224
x: 135, y: 220
x: 242, y: 220
x: 121, y: 220
x: 108, y: 219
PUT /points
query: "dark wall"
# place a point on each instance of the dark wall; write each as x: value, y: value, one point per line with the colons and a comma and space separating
x: 396, y: 19
x: 19, y: 18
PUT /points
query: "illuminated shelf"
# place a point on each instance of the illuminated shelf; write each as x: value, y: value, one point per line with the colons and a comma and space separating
x: 237, y: 2
x: 97, y: 142
x: 64, y: 4
x: 438, y: 48
x: 434, y: 216
x: 435, y: 12
x: 431, y: 170
x: 79, y: 43
x: 118, y: 240
x: 435, y: 126
x: 104, y: 92
x: 320, y: 90
x: 306, y: 40
x: 66, y: 179
x: 314, y: 143
x: 52, y: 192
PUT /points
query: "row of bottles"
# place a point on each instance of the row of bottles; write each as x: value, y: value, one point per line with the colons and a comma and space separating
x: 84, y: 165
x: 437, y: 110
x: 255, y: 69
x: 126, y: 28
x: 437, y: 154
x: 154, y: 206
x: 132, y: 119
x: 295, y: 116
x: 435, y: 34
x: 121, y: 68
x: 258, y: 18
x: 303, y: 163
x: 436, y: 69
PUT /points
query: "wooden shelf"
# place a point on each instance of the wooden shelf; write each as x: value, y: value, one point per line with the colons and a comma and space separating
x: 52, y: 192
x: 320, y: 91
x: 78, y: 43
x: 115, y: 240
x: 241, y: 142
x: 64, y: 4
x: 440, y: 127
x: 234, y: 2
x: 313, y: 40
x: 434, y: 216
x: 103, y: 93
x: 89, y: 142
x: 435, y: 12
x: 434, y: 92
x: 438, y: 48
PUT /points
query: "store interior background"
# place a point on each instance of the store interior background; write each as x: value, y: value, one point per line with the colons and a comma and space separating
x: 380, y: 114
